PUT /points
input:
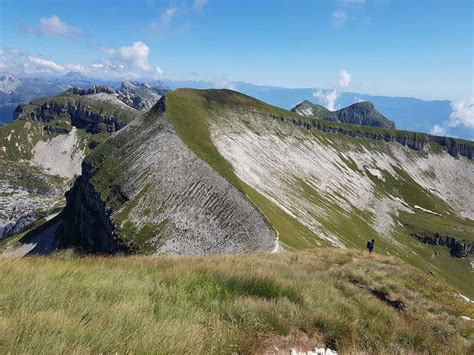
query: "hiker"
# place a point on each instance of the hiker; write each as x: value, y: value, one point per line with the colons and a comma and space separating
x: 371, y: 245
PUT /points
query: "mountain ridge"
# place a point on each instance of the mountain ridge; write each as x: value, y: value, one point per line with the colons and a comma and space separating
x: 360, y: 113
x: 408, y: 113
x: 310, y: 182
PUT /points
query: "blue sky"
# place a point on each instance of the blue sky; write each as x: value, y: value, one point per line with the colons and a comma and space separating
x: 406, y: 48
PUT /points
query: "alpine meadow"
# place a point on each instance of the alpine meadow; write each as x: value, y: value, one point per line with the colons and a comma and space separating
x: 228, y: 177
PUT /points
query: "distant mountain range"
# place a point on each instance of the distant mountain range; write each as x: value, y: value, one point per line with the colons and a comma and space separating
x: 16, y: 91
x: 406, y: 112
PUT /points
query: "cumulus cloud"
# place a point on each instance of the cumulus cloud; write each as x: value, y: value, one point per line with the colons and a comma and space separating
x: 328, y: 98
x: 462, y: 114
x: 344, y: 78
x: 136, y: 55
x: 44, y: 65
x: 461, y: 117
x: 123, y: 62
x: 338, y: 17
x: 132, y: 57
x: 53, y: 26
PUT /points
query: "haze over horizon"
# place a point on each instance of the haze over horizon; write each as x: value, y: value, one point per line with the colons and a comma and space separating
x: 375, y: 47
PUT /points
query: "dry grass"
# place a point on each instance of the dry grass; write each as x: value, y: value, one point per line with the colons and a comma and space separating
x: 69, y: 304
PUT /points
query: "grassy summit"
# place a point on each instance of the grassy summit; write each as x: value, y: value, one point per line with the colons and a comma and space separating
x: 343, y: 299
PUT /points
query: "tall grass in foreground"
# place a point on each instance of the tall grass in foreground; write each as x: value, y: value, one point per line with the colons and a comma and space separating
x: 245, y: 304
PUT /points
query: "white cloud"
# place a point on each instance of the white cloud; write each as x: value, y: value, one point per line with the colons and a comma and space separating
x: 327, y: 98
x: 125, y: 63
x: 53, y: 26
x: 46, y: 65
x: 338, y: 17
x: 462, y: 114
x: 37, y: 64
x: 344, y: 78
x: 136, y: 55
x: 169, y: 14
x: 438, y: 130
x: 199, y: 4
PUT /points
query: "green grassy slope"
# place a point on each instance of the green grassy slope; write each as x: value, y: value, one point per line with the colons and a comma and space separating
x: 243, y: 304
x: 193, y: 111
x: 18, y: 138
x: 190, y: 112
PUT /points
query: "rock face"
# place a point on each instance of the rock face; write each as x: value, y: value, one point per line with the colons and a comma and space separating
x: 79, y: 115
x: 417, y: 141
x: 140, y: 96
x: 144, y: 190
x: 361, y: 113
x: 87, y: 224
x: 26, y: 195
x: 455, y: 147
x: 457, y: 248
x: 8, y: 83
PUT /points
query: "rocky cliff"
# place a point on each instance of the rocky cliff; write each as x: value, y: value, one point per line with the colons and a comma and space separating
x: 457, y: 248
x: 86, y: 222
x: 141, y: 96
x: 78, y: 114
x: 417, y: 141
x: 144, y: 190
